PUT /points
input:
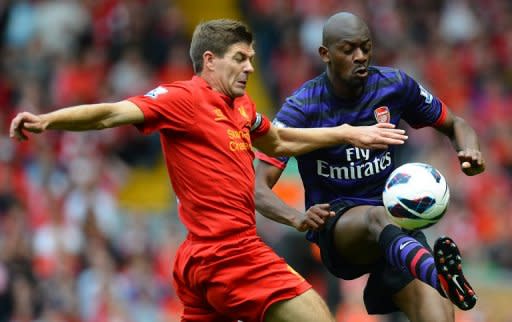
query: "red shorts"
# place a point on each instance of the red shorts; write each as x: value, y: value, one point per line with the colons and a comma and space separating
x: 232, y: 279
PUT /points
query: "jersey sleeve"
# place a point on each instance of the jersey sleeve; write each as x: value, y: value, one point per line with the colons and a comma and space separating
x: 165, y: 107
x: 421, y: 107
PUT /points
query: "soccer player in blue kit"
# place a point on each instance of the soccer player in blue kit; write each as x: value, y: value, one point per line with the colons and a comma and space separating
x: 343, y: 184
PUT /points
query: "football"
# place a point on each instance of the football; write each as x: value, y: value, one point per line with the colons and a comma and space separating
x: 416, y: 196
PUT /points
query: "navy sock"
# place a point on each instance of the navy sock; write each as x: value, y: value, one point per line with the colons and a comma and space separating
x: 403, y: 251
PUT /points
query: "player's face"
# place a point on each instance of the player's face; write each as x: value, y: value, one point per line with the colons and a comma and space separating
x: 232, y: 71
x: 348, y: 59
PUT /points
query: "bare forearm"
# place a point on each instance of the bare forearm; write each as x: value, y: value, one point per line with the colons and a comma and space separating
x: 270, y: 206
x: 465, y: 142
x: 299, y: 141
x: 464, y: 136
x: 76, y: 118
x: 79, y: 118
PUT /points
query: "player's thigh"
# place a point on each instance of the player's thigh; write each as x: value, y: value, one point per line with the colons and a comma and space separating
x: 307, y: 307
x: 353, y: 238
x: 422, y: 303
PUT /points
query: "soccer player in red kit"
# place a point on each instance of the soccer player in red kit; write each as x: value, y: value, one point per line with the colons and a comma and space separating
x: 208, y: 125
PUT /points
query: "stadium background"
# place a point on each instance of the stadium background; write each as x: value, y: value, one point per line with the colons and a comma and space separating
x: 88, y: 225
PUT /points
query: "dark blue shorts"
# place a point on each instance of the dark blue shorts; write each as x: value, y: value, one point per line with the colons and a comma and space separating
x: 384, y: 280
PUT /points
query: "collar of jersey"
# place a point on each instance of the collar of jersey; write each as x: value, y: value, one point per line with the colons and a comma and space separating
x: 203, y: 83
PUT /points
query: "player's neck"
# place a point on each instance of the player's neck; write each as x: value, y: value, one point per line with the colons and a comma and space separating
x: 342, y: 89
x: 216, y: 85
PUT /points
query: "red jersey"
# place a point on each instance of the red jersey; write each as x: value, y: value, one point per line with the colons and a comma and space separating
x: 206, y: 139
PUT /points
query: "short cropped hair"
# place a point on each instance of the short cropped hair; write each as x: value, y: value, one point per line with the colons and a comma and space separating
x: 216, y: 36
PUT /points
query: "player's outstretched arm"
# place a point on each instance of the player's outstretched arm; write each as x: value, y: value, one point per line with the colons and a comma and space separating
x: 272, y: 207
x: 465, y: 141
x: 378, y: 136
x: 296, y: 141
x: 76, y: 118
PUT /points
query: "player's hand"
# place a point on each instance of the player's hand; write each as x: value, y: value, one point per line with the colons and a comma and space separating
x: 471, y: 161
x: 378, y: 136
x: 315, y: 217
x: 25, y: 121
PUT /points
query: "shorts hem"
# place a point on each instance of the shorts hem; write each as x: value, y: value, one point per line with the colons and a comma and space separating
x: 300, y: 289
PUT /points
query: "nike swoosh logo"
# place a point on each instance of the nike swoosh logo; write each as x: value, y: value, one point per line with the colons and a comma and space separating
x: 454, y: 279
x: 403, y: 245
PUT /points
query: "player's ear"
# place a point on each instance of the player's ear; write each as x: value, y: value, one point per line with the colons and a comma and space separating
x: 324, y: 54
x: 208, y: 60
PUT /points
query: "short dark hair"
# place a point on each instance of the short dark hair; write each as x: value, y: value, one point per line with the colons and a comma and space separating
x: 216, y: 36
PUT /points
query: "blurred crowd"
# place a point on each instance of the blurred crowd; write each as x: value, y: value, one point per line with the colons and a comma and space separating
x: 69, y: 251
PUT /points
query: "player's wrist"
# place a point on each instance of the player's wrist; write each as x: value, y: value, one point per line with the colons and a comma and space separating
x: 346, y: 133
x: 298, y: 221
x: 45, y: 121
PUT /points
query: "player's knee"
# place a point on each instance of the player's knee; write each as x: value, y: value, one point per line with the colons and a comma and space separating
x: 377, y: 219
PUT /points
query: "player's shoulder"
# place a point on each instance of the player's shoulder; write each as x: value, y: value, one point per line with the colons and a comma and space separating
x: 185, y: 85
x: 309, y: 91
x: 189, y: 89
x: 194, y: 84
x: 314, y: 84
x: 388, y: 74
x: 178, y: 91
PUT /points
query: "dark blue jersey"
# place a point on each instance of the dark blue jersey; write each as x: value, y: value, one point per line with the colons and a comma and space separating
x: 345, y: 171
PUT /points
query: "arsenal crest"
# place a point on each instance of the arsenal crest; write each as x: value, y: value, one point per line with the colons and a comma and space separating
x: 382, y: 114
